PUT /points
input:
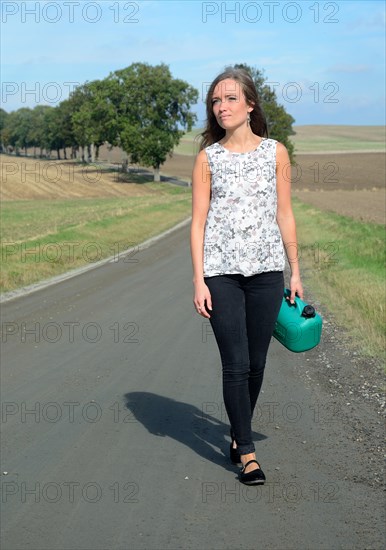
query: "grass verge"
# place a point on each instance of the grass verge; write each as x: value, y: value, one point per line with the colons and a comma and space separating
x: 44, y: 238
x: 343, y: 261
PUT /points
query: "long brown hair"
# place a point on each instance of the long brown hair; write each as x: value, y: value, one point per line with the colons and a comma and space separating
x: 213, y: 131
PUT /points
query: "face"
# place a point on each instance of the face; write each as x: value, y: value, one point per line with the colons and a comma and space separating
x: 229, y: 105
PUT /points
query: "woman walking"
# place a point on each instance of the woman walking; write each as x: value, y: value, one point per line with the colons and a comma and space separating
x: 242, y: 224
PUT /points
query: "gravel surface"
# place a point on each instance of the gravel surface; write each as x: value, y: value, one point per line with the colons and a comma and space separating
x: 356, y: 388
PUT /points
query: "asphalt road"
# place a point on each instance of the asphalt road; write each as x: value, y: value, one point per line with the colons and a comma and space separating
x: 114, y: 434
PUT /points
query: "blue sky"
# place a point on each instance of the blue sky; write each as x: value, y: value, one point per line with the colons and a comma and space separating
x: 326, y: 60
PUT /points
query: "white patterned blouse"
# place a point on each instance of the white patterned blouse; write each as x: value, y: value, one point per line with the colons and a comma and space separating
x: 241, y: 231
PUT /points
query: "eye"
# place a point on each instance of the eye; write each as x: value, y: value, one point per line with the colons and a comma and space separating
x: 215, y: 101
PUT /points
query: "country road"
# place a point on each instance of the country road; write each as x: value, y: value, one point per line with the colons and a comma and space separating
x: 114, y: 434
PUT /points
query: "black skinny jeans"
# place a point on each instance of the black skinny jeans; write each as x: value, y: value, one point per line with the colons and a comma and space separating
x: 243, y: 316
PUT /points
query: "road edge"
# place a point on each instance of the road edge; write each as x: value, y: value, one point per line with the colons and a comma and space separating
x: 24, y: 291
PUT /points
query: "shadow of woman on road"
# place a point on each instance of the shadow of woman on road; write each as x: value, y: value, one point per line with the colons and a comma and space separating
x: 203, y: 433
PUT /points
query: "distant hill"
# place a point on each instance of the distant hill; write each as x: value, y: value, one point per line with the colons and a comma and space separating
x: 317, y: 138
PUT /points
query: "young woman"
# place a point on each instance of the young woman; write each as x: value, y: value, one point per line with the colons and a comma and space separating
x: 242, y: 224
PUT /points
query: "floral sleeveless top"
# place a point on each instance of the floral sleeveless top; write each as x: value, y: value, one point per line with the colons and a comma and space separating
x: 241, y: 232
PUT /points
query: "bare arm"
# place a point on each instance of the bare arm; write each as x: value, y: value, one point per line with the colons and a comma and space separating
x: 285, y: 217
x: 200, y: 207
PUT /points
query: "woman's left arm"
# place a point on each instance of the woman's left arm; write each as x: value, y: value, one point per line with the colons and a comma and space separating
x: 285, y: 218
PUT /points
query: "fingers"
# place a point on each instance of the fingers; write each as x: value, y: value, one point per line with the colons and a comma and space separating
x: 296, y: 291
x: 199, y: 304
x: 292, y: 297
x: 202, y: 300
x: 299, y: 291
x: 202, y: 310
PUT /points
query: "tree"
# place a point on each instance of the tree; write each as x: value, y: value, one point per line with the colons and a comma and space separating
x: 152, y: 110
x: 65, y: 127
x: 141, y: 109
x: 54, y: 137
x: 3, y: 124
x: 81, y: 117
x: 43, y: 127
x: 38, y: 130
x: 17, y: 130
x: 93, y: 116
x: 279, y: 122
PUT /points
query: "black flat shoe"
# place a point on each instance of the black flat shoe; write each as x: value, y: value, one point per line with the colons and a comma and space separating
x: 255, y: 477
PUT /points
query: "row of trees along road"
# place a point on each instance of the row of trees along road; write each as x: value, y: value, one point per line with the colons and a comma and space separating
x: 141, y: 109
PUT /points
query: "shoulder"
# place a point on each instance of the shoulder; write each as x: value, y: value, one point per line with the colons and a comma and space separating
x: 202, y: 155
x: 201, y: 163
x: 272, y: 144
x: 212, y: 149
x: 280, y: 147
x: 208, y: 155
x: 213, y: 146
x: 282, y: 156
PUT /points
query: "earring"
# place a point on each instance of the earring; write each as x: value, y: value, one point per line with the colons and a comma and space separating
x: 248, y: 119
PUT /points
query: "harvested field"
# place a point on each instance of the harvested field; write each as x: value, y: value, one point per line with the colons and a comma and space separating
x: 311, y: 138
x: 326, y: 171
x: 24, y: 178
x: 328, y: 138
x: 363, y: 205
x: 351, y: 184
x: 330, y: 171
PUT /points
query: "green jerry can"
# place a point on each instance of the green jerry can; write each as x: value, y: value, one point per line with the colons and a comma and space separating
x: 298, y: 326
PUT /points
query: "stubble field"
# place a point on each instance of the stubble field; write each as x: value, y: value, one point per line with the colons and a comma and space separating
x: 351, y: 184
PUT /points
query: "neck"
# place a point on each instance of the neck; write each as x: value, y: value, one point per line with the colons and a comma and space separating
x: 239, y: 137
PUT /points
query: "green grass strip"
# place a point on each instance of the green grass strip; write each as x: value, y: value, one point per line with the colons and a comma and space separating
x: 52, y: 237
x: 343, y: 261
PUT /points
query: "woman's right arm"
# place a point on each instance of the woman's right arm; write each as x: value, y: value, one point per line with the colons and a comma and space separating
x: 200, y: 205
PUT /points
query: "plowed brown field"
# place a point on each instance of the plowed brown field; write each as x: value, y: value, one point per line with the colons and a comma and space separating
x: 351, y: 184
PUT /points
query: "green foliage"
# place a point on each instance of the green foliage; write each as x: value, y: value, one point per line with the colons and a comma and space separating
x: 141, y: 109
x: 3, y: 123
x: 93, y: 115
x: 4, y: 128
x: 38, y: 129
x: 279, y: 122
x: 152, y: 108
x: 17, y: 130
x: 64, y: 113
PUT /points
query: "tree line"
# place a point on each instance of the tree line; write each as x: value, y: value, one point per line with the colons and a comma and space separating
x: 142, y: 109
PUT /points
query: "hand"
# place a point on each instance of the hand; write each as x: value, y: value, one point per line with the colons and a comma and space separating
x: 202, y: 296
x: 295, y: 287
